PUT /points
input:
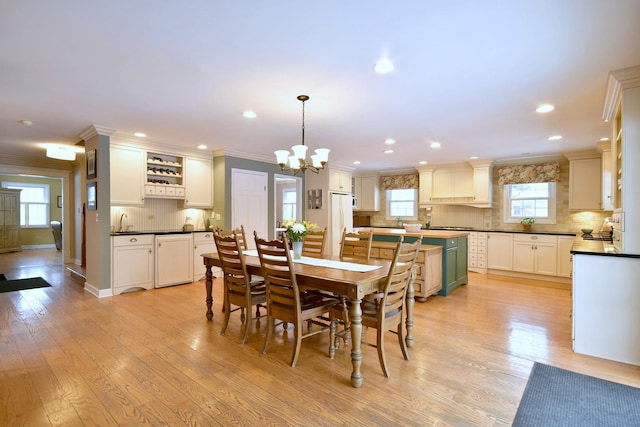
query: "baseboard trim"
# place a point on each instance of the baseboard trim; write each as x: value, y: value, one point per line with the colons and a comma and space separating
x: 96, y: 292
x: 553, y: 281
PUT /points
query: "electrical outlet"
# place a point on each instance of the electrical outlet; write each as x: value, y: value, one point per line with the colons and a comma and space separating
x: 217, y: 217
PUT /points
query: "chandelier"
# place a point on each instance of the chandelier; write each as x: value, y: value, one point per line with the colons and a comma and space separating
x: 297, y: 162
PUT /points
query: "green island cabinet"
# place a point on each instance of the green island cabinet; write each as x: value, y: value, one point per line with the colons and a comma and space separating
x: 454, y: 261
x: 454, y: 254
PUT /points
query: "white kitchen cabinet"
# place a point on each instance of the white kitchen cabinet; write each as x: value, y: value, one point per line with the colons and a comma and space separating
x: 198, y: 183
x: 585, y: 184
x: 367, y: 191
x: 127, y: 175
x: 535, y: 253
x: 477, y: 251
x: 607, y: 175
x: 164, y: 176
x: 131, y: 263
x: 340, y: 181
x: 482, y: 185
x: 453, y: 183
x: 565, y: 264
x: 426, y: 187
x: 203, y: 243
x: 500, y: 251
x: 173, y: 259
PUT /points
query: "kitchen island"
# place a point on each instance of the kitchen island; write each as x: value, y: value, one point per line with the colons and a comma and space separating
x: 454, y: 243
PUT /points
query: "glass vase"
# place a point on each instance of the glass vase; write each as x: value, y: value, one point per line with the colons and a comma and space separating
x: 297, y: 250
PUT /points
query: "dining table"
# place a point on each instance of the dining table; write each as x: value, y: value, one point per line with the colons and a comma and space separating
x: 330, y: 273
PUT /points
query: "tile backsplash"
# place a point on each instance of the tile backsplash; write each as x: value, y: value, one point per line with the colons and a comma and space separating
x: 158, y: 215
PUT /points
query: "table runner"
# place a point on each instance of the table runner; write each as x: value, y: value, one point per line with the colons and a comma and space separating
x: 319, y: 262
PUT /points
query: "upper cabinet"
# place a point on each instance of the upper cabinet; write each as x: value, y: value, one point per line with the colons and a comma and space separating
x: 137, y: 174
x: 199, y: 182
x: 456, y: 184
x: 607, y: 175
x: 585, y: 181
x: 340, y: 181
x: 127, y: 175
x: 367, y: 191
x: 165, y: 174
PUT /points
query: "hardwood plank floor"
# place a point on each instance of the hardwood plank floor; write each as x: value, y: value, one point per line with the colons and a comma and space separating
x: 152, y: 358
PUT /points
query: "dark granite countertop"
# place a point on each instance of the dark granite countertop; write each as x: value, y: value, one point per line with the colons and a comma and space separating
x: 597, y: 247
x: 465, y: 229
x: 180, y: 231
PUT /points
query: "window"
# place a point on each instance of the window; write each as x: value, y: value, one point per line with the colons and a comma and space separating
x: 402, y: 204
x: 289, y: 204
x: 34, y: 203
x: 536, y: 200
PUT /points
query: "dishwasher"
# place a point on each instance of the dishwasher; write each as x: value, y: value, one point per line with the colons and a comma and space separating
x: 174, y: 259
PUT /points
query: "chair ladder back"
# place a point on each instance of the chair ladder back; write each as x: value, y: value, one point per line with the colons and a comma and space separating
x: 356, y: 245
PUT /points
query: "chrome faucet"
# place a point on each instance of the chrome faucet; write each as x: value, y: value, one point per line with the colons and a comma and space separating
x: 124, y: 215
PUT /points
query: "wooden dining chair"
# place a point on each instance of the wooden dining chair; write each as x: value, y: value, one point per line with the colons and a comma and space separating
x: 285, y: 302
x: 239, y: 289
x: 239, y: 234
x: 387, y: 312
x: 356, y: 244
x: 313, y: 243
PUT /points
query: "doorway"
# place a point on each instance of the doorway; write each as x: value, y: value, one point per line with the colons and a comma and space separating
x: 288, y: 198
x: 249, y: 202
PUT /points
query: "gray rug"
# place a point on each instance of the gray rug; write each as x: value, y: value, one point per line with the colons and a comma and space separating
x: 557, y: 397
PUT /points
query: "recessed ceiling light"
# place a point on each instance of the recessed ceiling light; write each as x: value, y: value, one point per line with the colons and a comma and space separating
x: 473, y: 157
x: 545, y: 108
x: 555, y: 137
x: 357, y: 162
x: 423, y: 162
x: 604, y: 139
x: 383, y: 66
x: 389, y: 141
x: 249, y: 114
x: 388, y: 151
x: 202, y: 147
x: 26, y: 122
x: 435, y: 145
x: 140, y: 134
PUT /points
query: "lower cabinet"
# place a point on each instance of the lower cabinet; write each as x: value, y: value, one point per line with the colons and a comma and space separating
x: 478, y: 251
x: 203, y: 243
x: 428, y: 279
x: 174, y: 259
x: 565, y: 259
x: 535, y: 253
x: 131, y: 263
x: 500, y: 251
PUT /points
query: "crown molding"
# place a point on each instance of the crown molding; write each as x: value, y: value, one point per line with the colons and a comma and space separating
x: 624, y: 78
x: 95, y: 130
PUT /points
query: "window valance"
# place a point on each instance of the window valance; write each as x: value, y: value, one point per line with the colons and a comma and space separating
x: 527, y: 174
x: 399, y: 182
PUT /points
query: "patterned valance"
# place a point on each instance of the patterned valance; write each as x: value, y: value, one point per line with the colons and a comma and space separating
x: 399, y: 182
x: 527, y: 174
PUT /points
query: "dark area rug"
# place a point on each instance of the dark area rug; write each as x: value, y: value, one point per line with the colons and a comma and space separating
x: 557, y: 397
x: 22, y: 284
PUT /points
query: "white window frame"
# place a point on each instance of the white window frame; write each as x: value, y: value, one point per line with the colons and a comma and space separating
x: 24, y: 204
x: 403, y: 217
x: 294, y: 207
x: 506, y: 206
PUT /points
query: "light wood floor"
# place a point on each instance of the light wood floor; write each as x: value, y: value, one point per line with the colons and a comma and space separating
x: 152, y: 358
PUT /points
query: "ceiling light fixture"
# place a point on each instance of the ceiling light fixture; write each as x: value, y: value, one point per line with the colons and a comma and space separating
x: 298, y: 162
x: 60, y: 152
x: 140, y: 134
x: 604, y: 138
x: 555, y: 137
x: 435, y: 145
x: 357, y: 162
x: 249, y: 114
x: 388, y: 151
x: 389, y: 141
x: 545, y: 108
x: 201, y: 147
x: 383, y: 66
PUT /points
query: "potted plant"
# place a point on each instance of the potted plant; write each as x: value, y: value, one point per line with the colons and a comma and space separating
x: 527, y: 223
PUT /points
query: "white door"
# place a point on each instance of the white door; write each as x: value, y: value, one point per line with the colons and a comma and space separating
x: 249, y: 203
x: 341, y: 217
